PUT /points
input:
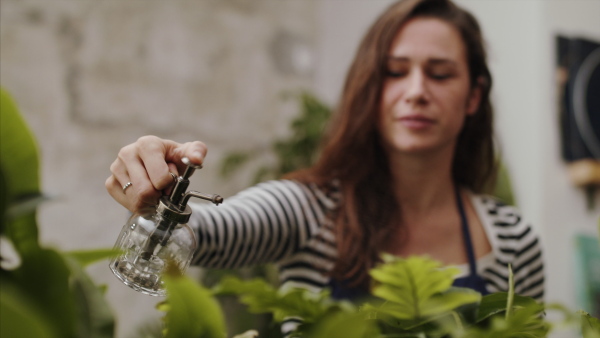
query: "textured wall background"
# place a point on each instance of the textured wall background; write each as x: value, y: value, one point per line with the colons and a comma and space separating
x: 91, y: 76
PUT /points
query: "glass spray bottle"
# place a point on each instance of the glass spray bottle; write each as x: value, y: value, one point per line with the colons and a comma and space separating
x: 148, y: 242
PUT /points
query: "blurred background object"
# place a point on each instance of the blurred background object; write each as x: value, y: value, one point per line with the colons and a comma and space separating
x: 91, y: 76
x: 579, y: 84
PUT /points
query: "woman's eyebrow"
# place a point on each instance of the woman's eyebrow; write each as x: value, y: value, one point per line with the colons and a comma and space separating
x: 432, y: 61
x: 441, y: 61
x: 393, y: 58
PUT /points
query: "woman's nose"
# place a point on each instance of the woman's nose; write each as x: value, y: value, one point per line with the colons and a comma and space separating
x: 416, y: 92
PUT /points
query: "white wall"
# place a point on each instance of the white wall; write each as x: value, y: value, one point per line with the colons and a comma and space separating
x: 92, y: 76
x: 521, y: 55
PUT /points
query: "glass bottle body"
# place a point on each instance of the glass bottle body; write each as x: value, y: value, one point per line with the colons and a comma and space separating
x: 148, y: 244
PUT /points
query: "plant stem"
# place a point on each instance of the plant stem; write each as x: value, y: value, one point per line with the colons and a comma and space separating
x: 459, y: 325
x: 511, y: 292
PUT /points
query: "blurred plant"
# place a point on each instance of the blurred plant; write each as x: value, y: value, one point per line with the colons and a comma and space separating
x: 191, y: 311
x: 411, y: 297
x: 590, y: 326
x: 44, y: 292
x: 296, y: 152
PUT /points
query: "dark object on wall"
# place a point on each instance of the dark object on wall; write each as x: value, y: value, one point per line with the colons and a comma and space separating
x: 579, y: 85
x: 581, y: 98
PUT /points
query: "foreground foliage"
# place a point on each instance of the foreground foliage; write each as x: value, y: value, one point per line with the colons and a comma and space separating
x: 45, y: 292
x: 411, y: 297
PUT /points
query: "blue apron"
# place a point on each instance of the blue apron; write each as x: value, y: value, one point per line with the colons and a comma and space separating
x: 340, y: 290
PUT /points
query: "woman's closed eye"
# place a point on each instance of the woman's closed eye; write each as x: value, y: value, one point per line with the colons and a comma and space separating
x: 441, y: 70
x: 397, y: 67
x: 440, y: 75
x: 396, y: 73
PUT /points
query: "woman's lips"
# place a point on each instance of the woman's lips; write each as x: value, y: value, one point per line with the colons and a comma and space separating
x: 416, y: 122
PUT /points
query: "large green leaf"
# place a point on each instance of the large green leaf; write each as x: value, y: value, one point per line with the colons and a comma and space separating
x: 437, y: 304
x: 496, y: 303
x: 343, y: 324
x: 263, y: 298
x: 20, y: 315
x: 44, y: 277
x: 23, y: 233
x: 46, y: 293
x: 94, y: 317
x: 192, y: 310
x: 418, y: 287
x: 590, y: 326
x: 87, y: 257
x: 525, y: 322
x: 19, y: 163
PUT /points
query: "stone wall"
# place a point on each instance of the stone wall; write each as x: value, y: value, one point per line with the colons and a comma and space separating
x: 92, y: 76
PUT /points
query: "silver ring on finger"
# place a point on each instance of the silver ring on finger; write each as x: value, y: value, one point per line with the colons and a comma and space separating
x: 127, y: 185
x: 174, y: 177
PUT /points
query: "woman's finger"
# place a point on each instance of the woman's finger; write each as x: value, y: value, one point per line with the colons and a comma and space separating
x: 115, y: 189
x: 194, y: 151
x: 152, y: 153
x: 143, y: 193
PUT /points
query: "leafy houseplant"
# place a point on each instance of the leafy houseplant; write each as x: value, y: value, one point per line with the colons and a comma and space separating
x: 412, y: 297
x: 45, y: 292
x: 296, y: 152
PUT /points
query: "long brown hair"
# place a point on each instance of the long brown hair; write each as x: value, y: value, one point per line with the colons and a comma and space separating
x: 353, y: 153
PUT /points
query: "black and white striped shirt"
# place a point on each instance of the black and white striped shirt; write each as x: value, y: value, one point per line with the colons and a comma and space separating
x: 286, y: 222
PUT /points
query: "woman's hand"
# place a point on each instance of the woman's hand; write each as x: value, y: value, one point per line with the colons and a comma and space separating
x: 147, y: 164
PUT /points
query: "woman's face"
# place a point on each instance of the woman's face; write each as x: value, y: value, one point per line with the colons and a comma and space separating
x: 427, y: 92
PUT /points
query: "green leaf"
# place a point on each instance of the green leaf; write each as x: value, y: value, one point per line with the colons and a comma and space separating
x: 391, y: 324
x: 233, y: 162
x: 19, y: 164
x: 449, y: 300
x: 525, y: 322
x: 503, y: 187
x: 495, y: 303
x: 590, y: 326
x: 94, y: 317
x: 87, y: 257
x: 44, y: 276
x: 343, y: 324
x: 44, y: 290
x: 418, y: 287
x: 193, y: 312
x: 263, y: 298
x: 25, y: 205
x: 23, y: 233
x: 21, y: 316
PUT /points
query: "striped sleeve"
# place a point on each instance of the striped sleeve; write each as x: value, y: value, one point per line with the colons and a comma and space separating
x: 263, y: 224
x: 515, y: 243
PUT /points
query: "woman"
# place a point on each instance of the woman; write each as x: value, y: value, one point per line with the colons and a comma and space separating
x: 403, y: 170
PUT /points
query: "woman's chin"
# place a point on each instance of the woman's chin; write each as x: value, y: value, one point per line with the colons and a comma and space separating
x: 417, y: 149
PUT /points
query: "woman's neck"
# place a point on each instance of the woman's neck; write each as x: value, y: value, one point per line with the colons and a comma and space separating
x: 423, y: 184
